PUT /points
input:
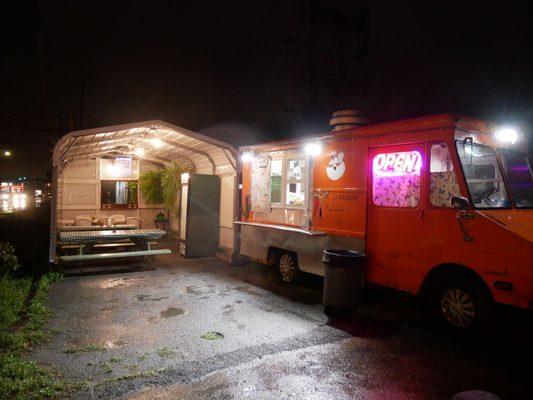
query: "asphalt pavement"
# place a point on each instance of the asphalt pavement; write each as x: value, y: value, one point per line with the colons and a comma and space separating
x: 193, y: 329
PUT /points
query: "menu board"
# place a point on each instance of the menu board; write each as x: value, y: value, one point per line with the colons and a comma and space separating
x: 260, y: 188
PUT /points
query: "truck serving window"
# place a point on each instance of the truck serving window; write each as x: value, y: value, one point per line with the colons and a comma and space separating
x: 483, y: 175
x: 442, y: 178
x: 517, y: 168
x: 276, y: 172
x: 295, y: 182
x: 396, y: 179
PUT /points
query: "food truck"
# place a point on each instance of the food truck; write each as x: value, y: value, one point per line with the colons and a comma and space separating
x: 441, y: 206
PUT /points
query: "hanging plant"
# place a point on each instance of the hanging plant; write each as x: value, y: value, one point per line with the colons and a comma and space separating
x: 132, y: 193
x: 151, y: 187
x: 171, y: 182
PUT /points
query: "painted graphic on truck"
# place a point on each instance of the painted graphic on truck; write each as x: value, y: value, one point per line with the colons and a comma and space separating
x: 336, y: 167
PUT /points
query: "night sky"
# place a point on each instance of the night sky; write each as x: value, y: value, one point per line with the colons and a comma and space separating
x: 226, y: 69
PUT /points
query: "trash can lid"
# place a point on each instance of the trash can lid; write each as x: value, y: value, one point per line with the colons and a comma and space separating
x: 341, y: 258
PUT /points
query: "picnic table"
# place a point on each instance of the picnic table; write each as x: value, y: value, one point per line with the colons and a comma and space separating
x: 89, y: 239
x: 73, y: 228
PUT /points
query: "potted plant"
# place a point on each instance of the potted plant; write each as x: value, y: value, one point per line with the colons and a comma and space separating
x: 161, y: 221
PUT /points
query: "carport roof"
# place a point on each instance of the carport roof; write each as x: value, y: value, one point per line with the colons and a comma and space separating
x: 204, y: 154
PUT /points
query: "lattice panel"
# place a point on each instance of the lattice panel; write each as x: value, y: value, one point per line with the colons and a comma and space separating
x: 81, y: 169
x: 79, y: 194
x: 72, y: 214
x: 148, y: 216
x: 145, y: 166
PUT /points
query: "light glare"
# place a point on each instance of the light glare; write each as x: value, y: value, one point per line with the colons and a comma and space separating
x: 508, y: 135
x: 139, y: 151
x: 247, y: 157
x: 313, y: 149
x: 156, y: 142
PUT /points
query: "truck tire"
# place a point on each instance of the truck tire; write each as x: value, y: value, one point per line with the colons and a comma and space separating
x: 460, y: 301
x: 287, y: 264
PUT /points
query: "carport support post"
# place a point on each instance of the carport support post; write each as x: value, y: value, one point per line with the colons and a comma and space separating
x: 237, y: 212
x: 53, y: 216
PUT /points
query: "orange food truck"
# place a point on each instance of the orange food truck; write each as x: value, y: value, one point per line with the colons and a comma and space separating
x: 441, y: 205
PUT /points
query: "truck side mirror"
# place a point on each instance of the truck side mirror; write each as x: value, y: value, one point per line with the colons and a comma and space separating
x: 459, y: 202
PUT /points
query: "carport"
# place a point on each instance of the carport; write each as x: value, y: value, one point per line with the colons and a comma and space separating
x: 78, y: 171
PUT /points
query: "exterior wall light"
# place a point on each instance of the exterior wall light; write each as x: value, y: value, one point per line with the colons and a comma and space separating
x: 313, y: 149
x: 7, y: 153
x: 506, y: 135
x: 247, y: 157
x: 156, y: 142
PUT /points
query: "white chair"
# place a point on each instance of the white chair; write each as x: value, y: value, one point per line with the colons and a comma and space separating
x: 137, y: 221
x: 100, y: 219
x: 83, y: 222
x: 117, y: 219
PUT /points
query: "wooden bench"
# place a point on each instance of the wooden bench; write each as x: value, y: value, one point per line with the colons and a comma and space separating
x: 119, y: 254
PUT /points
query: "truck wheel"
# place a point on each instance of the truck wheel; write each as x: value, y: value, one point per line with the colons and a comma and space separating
x: 288, y: 266
x: 461, y: 302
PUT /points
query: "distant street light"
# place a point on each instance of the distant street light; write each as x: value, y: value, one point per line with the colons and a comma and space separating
x: 7, y: 153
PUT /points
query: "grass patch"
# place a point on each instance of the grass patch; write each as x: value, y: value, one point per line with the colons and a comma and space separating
x: 106, y: 367
x: 87, y: 348
x: 20, y: 379
x: 13, y: 292
x: 212, y: 335
x: 129, y: 377
x: 22, y: 326
x: 132, y: 367
x: 116, y: 359
x: 165, y: 352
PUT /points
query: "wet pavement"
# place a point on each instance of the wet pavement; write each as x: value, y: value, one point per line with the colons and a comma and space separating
x: 200, y: 329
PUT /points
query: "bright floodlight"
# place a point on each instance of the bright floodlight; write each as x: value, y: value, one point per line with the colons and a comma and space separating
x: 246, y: 157
x: 7, y: 153
x: 508, y: 135
x: 313, y: 149
x: 139, y: 151
x: 156, y: 142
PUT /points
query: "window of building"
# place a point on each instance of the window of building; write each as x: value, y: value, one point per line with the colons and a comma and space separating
x: 118, y: 194
x: 295, y: 182
x: 276, y: 176
x: 396, y: 179
x: 442, y: 178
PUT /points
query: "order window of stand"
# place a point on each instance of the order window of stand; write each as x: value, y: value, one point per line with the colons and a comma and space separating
x: 119, y: 185
x: 288, y: 183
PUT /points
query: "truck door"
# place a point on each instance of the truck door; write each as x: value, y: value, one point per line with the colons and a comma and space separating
x: 396, y: 204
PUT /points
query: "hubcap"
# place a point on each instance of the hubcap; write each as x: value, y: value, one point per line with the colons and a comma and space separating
x: 458, y: 308
x: 287, y: 267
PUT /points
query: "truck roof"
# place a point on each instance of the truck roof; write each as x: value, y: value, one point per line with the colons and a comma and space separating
x: 405, y: 125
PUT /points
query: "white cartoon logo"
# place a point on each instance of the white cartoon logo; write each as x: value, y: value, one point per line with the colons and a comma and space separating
x: 336, y: 167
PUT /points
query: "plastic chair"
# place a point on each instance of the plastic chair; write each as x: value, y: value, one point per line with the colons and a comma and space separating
x: 101, y: 219
x: 118, y: 219
x: 83, y: 222
x: 137, y: 221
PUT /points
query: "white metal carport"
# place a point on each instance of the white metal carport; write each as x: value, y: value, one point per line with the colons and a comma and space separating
x: 161, y: 144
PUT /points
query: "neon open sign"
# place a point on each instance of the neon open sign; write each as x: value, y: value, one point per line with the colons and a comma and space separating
x: 401, y: 163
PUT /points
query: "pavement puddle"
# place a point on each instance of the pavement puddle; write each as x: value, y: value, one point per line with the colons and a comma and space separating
x: 148, y: 297
x: 172, y: 312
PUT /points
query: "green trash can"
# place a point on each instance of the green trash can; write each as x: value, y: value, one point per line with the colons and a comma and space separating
x: 343, y: 280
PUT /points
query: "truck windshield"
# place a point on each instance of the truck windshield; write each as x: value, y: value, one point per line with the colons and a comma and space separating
x: 517, y: 168
x: 483, y: 175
